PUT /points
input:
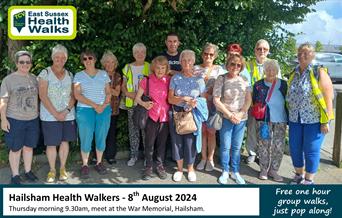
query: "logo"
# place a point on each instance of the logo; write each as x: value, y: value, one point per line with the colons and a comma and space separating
x: 42, y: 22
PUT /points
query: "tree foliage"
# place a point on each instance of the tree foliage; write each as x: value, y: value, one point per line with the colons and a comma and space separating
x: 118, y: 24
x: 318, y: 46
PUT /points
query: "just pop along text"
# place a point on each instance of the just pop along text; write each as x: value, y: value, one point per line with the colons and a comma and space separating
x: 59, y: 197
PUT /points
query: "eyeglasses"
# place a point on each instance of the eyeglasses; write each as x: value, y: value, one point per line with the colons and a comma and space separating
x: 24, y: 62
x: 88, y: 58
x: 235, y: 65
x: 262, y: 49
x: 208, y: 54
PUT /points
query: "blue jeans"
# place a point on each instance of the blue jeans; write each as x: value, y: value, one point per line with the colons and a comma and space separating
x: 90, y: 122
x: 305, y: 145
x: 231, y: 137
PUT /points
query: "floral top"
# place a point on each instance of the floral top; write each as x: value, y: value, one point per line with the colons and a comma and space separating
x: 115, y: 100
x: 301, y: 100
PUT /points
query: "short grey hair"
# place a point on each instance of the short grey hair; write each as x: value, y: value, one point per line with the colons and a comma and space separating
x: 261, y: 41
x: 20, y: 54
x: 137, y: 46
x: 187, y: 52
x: 59, y: 48
x: 271, y: 64
x: 109, y: 55
x: 306, y: 45
x: 211, y: 45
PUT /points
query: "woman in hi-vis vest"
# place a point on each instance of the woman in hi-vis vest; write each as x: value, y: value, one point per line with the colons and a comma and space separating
x: 309, y: 98
x: 133, y: 73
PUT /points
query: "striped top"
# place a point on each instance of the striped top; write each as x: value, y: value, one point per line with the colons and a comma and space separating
x: 92, y: 88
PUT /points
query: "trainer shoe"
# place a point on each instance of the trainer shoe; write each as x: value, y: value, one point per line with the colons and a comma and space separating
x: 147, y: 173
x: 201, y: 164
x: 263, y: 175
x: 85, y: 172
x: 275, y: 176
x: 177, y: 176
x: 238, y: 179
x: 63, y: 175
x: 132, y: 161
x: 161, y: 172
x: 100, y: 169
x: 209, y: 166
x: 51, y: 177
x: 15, y: 180
x: 192, y: 176
x: 223, y: 179
x: 29, y: 176
x: 250, y: 159
x: 297, y: 179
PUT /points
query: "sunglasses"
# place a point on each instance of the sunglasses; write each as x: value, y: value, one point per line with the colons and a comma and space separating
x: 24, y: 62
x: 208, y: 54
x: 88, y: 58
x: 235, y: 65
x: 262, y: 49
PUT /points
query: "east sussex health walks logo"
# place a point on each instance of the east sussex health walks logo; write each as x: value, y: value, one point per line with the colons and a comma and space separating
x: 42, y: 22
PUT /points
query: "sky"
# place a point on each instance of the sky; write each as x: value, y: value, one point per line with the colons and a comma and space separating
x: 324, y: 25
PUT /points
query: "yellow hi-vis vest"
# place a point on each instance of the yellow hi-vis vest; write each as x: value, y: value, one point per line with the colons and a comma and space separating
x: 127, y: 72
x: 253, y: 69
x: 324, y: 117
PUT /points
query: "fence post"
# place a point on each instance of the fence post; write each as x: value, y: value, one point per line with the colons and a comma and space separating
x: 337, y: 150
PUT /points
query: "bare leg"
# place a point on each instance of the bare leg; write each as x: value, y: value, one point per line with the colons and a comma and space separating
x: 63, y: 153
x: 27, y: 156
x: 14, y: 160
x: 51, y: 153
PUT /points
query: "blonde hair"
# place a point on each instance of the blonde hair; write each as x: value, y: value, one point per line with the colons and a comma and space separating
x: 162, y: 60
x: 306, y: 45
x: 107, y: 55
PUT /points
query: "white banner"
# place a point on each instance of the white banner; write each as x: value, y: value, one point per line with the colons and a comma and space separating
x: 154, y: 201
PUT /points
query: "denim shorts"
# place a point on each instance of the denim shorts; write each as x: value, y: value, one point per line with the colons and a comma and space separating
x: 22, y: 132
x: 55, y: 132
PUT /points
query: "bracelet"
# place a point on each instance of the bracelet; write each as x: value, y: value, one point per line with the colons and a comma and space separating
x: 68, y: 109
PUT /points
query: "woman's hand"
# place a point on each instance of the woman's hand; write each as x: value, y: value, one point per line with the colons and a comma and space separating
x: 325, y: 128
x: 5, y: 125
x: 148, y: 105
x: 235, y: 118
x: 60, y: 116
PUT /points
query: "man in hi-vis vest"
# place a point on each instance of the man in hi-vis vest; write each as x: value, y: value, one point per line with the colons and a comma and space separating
x: 255, y: 67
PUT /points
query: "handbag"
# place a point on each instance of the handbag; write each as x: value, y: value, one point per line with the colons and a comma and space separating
x: 140, y: 114
x: 215, y: 120
x: 184, y: 122
x: 259, y: 109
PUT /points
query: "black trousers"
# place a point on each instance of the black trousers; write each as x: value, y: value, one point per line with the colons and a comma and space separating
x: 111, y: 147
x: 155, y: 135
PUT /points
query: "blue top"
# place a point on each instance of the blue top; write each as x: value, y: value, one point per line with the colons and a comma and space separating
x: 187, y: 86
x: 92, y: 88
x: 301, y: 100
x: 276, y: 105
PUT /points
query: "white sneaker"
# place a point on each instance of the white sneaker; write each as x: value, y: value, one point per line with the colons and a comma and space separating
x: 192, y: 176
x: 132, y: 161
x: 201, y: 164
x: 177, y: 176
x: 223, y: 179
x: 238, y: 179
x: 210, y: 166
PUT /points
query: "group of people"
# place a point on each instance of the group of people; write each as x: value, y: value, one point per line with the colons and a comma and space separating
x: 171, y: 84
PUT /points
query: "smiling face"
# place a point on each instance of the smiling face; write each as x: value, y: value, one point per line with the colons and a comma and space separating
x: 172, y: 44
x: 59, y: 59
x: 24, y: 64
x: 208, y: 55
x: 109, y: 65
x: 88, y: 61
x: 187, y: 62
x: 139, y: 54
x: 234, y: 66
x: 305, y: 56
x: 160, y: 70
x: 261, y: 51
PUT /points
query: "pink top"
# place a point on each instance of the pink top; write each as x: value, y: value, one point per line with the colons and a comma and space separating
x: 159, y: 89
